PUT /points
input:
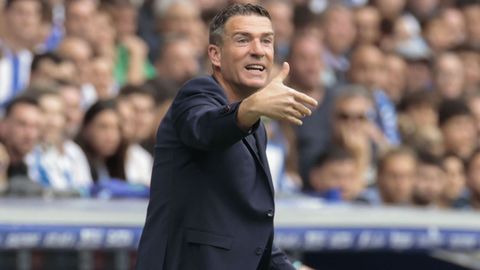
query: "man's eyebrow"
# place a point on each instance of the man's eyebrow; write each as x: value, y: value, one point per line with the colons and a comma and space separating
x: 250, y: 34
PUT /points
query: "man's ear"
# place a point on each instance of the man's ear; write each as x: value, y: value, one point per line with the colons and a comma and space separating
x: 214, y: 54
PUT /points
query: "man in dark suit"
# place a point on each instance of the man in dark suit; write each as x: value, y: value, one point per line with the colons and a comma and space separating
x: 211, y: 203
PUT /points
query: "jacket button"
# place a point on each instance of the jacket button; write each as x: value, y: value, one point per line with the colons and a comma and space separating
x: 259, y: 251
x: 270, y: 213
x: 226, y: 108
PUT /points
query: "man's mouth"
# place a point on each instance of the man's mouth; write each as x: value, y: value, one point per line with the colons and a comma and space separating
x: 255, y: 67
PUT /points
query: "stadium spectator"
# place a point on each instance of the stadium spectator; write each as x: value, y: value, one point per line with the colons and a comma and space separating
x: 368, y: 69
x: 313, y: 137
x: 368, y: 21
x: 48, y: 68
x: 458, y: 128
x: 449, y: 76
x: 473, y: 181
x: 164, y: 91
x: 21, y: 131
x: 430, y: 181
x: 471, y: 12
x: 72, y: 97
x: 177, y: 60
x: 132, y: 64
x: 453, y: 195
x: 138, y: 161
x: 339, y: 32
x: 281, y: 13
x: 79, y: 19
x: 354, y: 129
x: 101, y: 140
x: 334, y: 176
x: 395, y: 78
x: 396, y: 174
x: 471, y: 65
x: 16, y: 44
x: 57, y: 163
x: 80, y: 53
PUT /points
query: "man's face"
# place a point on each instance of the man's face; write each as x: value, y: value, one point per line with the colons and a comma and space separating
x: 429, y: 184
x: 23, y: 128
x: 79, y: 18
x: 460, y: 135
x: 396, y: 179
x: 306, y: 63
x: 23, y: 19
x: 245, y: 58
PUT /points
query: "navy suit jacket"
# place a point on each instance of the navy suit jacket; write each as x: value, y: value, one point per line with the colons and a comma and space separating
x: 211, y: 201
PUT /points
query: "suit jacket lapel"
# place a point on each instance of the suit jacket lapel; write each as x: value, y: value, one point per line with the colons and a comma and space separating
x: 254, y: 143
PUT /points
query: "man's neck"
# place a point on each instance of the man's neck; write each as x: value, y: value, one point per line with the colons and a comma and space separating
x: 231, y: 91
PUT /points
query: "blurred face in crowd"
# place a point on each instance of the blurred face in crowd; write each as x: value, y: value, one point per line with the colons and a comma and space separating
x: 390, y: 9
x: 306, y: 63
x: 455, y: 178
x: 125, y: 18
x: 368, y: 25
x: 471, y: 65
x: 473, y: 175
x: 419, y: 76
x: 429, y: 184
x: 423, y: 9
x: 143, y: 106
x: 103, y: 133
x: 244, y: 60
x: 80, y: 53
x: 53, y: 109
x: 72, y: 99
x: 22, y: 21
x: 79, y: 18
x: 102, y: 77
x: 423, y: 115
x: 472, y: 18
x: 351, y: 114
x: 395, y: 77
x: 367, y: 67
x: 460, y: 135
x: 474, y: 106
x: 104, y: 37
x: 449, y: 75
x: 22, y: 129
x: 281, y: 13
x: 339, y: 29
x: 179, y: 18
x: 126, y: 113
x: 438, y: 35
x: 396, y: 178
x: 336, y: 174
x: 455, y: 22
x: 178, y: 61
x: 49, y: 71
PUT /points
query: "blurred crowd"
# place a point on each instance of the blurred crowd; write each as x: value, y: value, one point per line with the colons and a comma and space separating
x: 84, y: 85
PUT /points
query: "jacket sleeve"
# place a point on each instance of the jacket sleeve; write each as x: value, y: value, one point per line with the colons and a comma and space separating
x: 279, y: 260
x: 204, y: 120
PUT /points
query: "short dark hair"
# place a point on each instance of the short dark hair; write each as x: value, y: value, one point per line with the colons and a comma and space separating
x: 22, y: 99
x: 218, y: 22
x: 450, y: 108
x: 38, y: 58
x: 393, y: 152
x: 333, y: 154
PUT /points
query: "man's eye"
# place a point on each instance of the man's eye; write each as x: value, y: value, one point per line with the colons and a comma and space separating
x: 267, y: 41
x: 242, y: 40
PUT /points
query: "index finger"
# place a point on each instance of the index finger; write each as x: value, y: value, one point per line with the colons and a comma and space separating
x: 303, y: 98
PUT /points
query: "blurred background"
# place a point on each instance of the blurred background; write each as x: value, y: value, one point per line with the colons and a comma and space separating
x: 385, y: 174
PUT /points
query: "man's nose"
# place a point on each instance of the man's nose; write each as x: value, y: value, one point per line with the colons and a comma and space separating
x: 256, y: 48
